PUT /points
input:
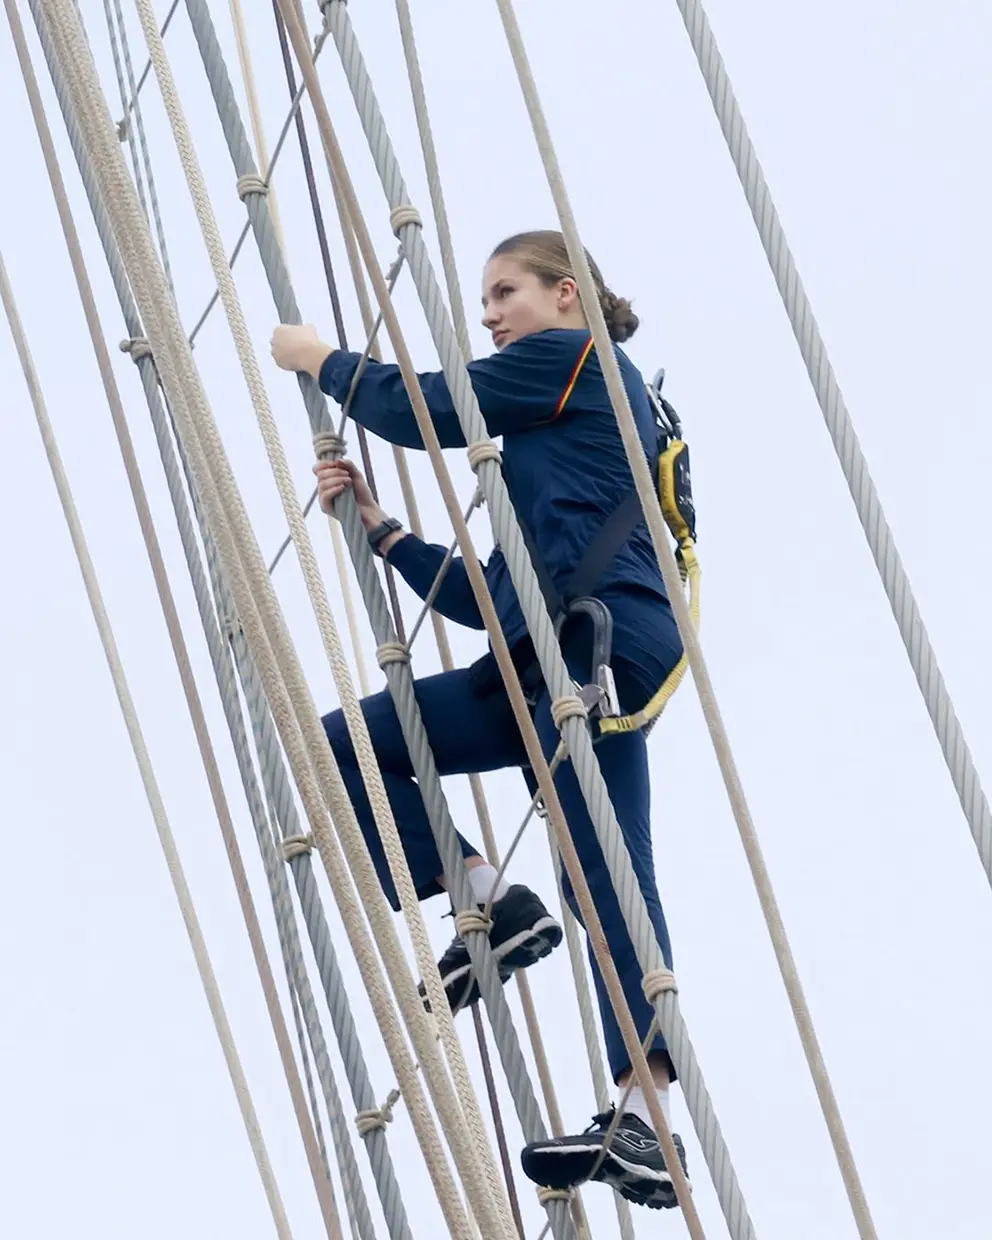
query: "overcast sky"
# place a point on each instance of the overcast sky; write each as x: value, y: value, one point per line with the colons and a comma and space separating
x: 117, y: 1119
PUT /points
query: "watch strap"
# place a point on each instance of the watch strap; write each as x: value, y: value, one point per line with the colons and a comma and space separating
x: 382, y: 531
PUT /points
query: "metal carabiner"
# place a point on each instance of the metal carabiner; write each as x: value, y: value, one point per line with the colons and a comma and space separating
x: 601, y: 693
x: 664, y: 411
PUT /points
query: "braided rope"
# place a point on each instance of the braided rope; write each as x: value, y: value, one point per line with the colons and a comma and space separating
x: 319, y: 782
x: 143, y: 759
x: 270, y: 759
x: 451, y: 1105
x: 322, y: 1184
x: 355, y: 719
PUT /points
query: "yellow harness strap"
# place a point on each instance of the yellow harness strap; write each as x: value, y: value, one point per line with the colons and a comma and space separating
x: 691, y: 576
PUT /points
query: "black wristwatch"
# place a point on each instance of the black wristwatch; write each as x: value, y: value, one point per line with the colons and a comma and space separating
x: 382, y: 531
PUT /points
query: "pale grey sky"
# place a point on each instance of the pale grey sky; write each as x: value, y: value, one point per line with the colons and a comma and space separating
x: 117, y: 1119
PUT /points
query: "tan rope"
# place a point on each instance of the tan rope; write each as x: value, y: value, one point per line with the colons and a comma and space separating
x: 544, y: 1195
x: 570, y: 707
x: 323, y: 1186
x: 328, y: 443
x: 143, y: 759
x: 648, y: 494
x: 377, y: 1117
x: 479, y: 452
x: 257, y: 184
x: 399, y: 217
x: 350, y: 610
x: 310, y: 759
x: 136, y: 349
x: 501, y: 652
x: 587, y: 1019
x: 455, y: 299
x: 450, y: 1109
x: 252, y: 183
x: 392, y: 652
x: 255, y: 112
x: 468, y: 920
x: 484, y: 1189
x: 296, y: 846
x: 658, y: 982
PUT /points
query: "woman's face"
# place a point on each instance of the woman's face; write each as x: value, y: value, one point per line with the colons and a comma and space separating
x: 515, y: 303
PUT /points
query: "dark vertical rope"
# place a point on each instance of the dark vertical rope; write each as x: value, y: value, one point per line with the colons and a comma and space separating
x: 332, y: 288
x: 504, y: 1149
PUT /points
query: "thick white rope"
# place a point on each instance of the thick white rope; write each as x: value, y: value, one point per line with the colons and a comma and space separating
x: 143, y: 759
x: 310, y: 759
x: 690, y: 636
x: 912, y: 630
x: 485, y: 1189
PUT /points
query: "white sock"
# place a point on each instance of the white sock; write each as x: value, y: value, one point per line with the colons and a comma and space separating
x: 485, y: 885
x: 636, y: 1104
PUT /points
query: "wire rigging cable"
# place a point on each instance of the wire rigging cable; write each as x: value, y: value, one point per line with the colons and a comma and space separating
x: 259, y: 673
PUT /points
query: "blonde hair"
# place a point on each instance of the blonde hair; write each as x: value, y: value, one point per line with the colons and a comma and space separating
x: 544, y: 253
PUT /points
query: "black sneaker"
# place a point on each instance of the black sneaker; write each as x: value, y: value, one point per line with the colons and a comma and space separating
x: 633, y: 1165
x: 523, y: 932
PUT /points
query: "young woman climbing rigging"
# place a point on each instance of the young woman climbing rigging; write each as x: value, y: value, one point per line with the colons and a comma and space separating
x: 564, y: 464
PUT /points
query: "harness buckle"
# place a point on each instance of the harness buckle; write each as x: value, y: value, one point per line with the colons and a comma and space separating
x: 610, y: 705
x: 600, y: 694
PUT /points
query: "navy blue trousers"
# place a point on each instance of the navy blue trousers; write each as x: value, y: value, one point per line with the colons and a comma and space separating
x: 473, y: 734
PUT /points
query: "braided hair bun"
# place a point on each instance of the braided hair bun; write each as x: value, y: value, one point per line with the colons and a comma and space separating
x: 620, y: 318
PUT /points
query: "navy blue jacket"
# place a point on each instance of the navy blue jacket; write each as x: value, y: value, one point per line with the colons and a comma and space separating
x: 565, y: 468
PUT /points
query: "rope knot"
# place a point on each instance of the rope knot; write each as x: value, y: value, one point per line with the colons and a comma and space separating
x: 251, y: 183
x: 374, y: 1119
x: 402, y: 215
x: 546, y: 1195
x: 658, y: 982
x: 392, y: 652
x: 471, y: 921
x: 570, y: 707
x: 328, y: 443
x: 296, y: 846
x: 138, y: 347
x: 484, y: 450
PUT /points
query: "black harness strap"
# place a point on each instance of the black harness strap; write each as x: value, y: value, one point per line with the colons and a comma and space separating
x: 608, y: 540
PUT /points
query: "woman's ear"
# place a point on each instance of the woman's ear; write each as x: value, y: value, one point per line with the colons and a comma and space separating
x: 568, y: 293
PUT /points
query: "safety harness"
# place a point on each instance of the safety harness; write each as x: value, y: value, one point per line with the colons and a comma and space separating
x: 671, y: 475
